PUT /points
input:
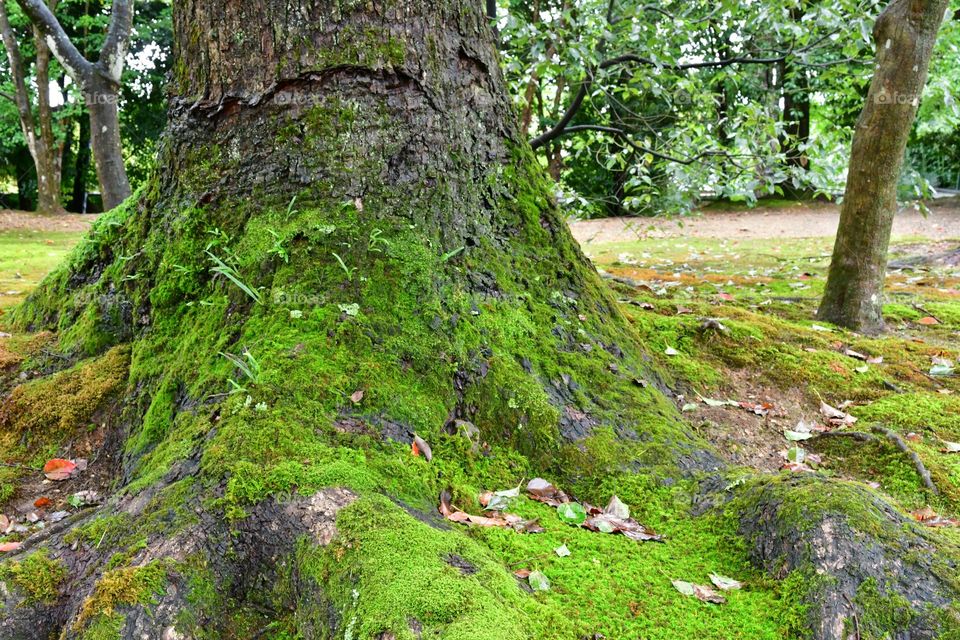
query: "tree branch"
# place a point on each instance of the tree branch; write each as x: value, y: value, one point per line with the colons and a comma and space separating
x: 114, y: 50
x: 20, y: 96
x: 710, y: 153
x: 72, y: 60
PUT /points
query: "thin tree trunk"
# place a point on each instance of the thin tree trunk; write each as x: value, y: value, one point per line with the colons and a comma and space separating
x: 101, y: 99
x: 905, y: 34
x: 78, y: 201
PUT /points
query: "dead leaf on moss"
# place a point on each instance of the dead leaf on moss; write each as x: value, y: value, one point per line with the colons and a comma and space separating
x: 931, y: 518
x: 6, y: 547
x: 357, y: 396
x: 59, y: 469
x: 542, y: 491
x: 421, y: 448
x: 836, y: 417
x: 42, y: 503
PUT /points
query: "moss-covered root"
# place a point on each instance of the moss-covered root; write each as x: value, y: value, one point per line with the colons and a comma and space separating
x: 870, y: 571
x: 332, y: 564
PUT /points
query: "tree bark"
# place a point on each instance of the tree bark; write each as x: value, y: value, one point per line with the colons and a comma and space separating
x: 347, y: 241
x: 905, y: 34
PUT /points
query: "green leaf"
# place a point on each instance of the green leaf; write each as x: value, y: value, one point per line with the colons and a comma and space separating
x: 572, y: 513
x: 538, y: 581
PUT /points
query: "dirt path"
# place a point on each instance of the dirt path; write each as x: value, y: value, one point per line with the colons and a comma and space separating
x: 799, y: 221
x: 26, y: 221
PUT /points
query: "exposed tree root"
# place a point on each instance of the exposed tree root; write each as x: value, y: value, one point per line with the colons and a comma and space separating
x: 899, y: 442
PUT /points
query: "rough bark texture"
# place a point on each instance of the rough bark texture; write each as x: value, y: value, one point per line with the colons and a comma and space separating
x: 348, y: 242
x: 904, y: 34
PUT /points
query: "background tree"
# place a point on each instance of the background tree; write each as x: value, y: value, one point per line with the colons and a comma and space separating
x: 99, y: 82
x: 36, y: 120
x: 345, y: 243
x: 905, y: 35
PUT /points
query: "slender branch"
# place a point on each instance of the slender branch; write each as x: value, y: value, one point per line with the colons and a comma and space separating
x: 8, y: 96
x: 20, y: 96
x: 114, y: 50
x: 57, y: 39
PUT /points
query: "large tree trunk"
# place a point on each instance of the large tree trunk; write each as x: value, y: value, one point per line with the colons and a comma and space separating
x: 347, y: 241
x: 905, y: 34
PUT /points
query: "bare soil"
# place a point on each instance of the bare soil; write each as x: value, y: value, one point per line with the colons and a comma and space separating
x: 803, y: 220
x: 26, y: 221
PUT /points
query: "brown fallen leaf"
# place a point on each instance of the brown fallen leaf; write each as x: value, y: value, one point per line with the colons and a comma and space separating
x: 42, y: 503
x: 6, y: 547
x: 4, y: 523
x: 357, y: 396
x: 542, y: 491
x: 836, y: 417
x: 523, y: 574
x: 928, y: 320
x: 707, y: 594
x: 420, y: 447
x: 506, y: 520
x: 59, y: 469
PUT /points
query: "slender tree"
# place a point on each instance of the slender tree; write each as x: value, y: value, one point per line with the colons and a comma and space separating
x: 36, y: 120
x: 348, y: 240
x: 905, y: 34
x: 99, y: 83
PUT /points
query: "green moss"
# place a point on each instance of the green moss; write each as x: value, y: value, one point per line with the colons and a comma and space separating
x: 127, y: 586
x: 883, y: 613
x: 37, y: 575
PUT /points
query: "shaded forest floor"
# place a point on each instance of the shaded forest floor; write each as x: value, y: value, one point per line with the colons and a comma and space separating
x: 729, y: 321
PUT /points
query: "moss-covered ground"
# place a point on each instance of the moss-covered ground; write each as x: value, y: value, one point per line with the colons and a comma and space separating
x: 266, y: 443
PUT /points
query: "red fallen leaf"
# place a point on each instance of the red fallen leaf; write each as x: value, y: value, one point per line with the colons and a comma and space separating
x: 59, y: 469
x: 357, y: 396
x: 726, y: 296
x: 928, y: 320
x: 9, y: 546
x: 523, y: 574
x: 913, y: 437
x: 42, y: 503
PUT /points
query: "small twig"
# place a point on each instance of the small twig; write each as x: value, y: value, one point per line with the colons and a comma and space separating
x: 856, y: 618
x: 917, y: 462
x: 895, y: 438
x: 856, y: 435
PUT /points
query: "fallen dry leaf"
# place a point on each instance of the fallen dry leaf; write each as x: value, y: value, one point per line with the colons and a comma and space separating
x: 523, y: 574
x: 724, y: 583
x: 420, y: 447
x: 4, y: 523
x: 836, y: 417
x: 59, y: 469
x: 931, y: 518
x: 928, y: 320
x: 542, y: 491
x: 42, y: 503
x: 6, y: 547
x: 357, y: 396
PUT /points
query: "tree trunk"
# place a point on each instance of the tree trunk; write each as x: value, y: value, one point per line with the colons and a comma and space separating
x: 348, y: 241
x: 101, y: 99
x: 904, y: 34
x: 78, y: 201
x: 49, y: 151
x: 37, y: 130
